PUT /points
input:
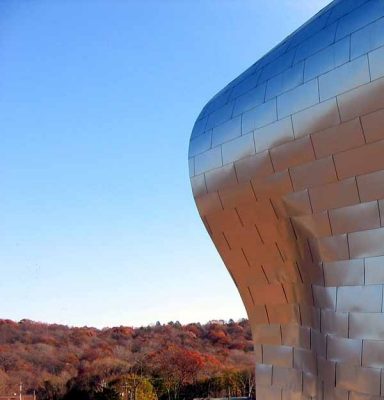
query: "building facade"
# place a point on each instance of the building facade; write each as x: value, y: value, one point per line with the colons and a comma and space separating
x: 287, y: 170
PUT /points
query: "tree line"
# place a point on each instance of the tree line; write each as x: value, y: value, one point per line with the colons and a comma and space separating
x: 160, y: 362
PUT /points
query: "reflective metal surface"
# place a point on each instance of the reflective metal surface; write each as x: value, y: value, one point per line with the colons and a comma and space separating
x: 287, y: 169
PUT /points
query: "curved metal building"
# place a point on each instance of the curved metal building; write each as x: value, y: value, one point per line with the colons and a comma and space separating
x: 287, y: 170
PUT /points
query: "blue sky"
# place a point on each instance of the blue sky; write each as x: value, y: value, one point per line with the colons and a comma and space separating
x: 97, y: 221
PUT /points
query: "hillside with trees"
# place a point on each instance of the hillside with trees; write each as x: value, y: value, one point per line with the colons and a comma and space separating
x: 160, y: 362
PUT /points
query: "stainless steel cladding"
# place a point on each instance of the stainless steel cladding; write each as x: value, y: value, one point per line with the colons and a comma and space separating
x: 287, y: 169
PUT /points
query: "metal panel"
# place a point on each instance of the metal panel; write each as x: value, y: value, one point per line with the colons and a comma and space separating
x: 293, y: 153
x: 373, y: 354
x: 344, y: 273
x: 366, y: 243
x: 310, y: 28
x: 191, y: 167
x: 371, y: 186
x: 297, y: 99
x: 341, y: 8
x: 297, y: 210
x: 220, y: 178
x: 237, y: 195
x: 297, y: 203
x: 208, y: 203
x: 318, y: 343
x: 272, y: 186
x: 267, y: 334
x: 270, y: 393
x: 366, y: 326
x: 367, y: 39
x: 285, y: 81
x: 246, y: 85
x: 344, y: 78
x: 316, y: 118
x: 314, y: 173
x: 277, y: 66
x: 273, y: 134
x: 259, y: 165
x: 250, y: 100
x: 376, y: 62
x: 209, y: 160
x: 360, y: 298
x: 200, y: 144
x: 284, y: 314
x: 259, y: 116
x: 313, y: 225
x: 362, y: 100
x: 358, y: 379
x: 325, y: 297
x: 287, y: 378
x: 334, y: 322
x: 296, y: 336
x: 268, y: 294
x: 219, y: 116
x: 360, y: 17
x: 333, y: 195
x: 198, y: 185
x: 327, y: 371
x: 281, y: 356
x: 199, y: 127
x: 304, y: 360
x: 328, y: 59
x: 227, y: 131
x: 334, y: 393
x: 354, y: 218
x: 317, y: 42
x: 344, y: 350
x: 374, y: 270
x: 364, y: 159
x: 263, y: 374
x: 339, y: 138
x: 239, y: 148
x: 373, y: 126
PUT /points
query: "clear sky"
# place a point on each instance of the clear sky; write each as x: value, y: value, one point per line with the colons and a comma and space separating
x: 97, y: 101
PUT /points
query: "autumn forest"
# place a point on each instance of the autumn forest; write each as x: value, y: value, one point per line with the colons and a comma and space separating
x: 159, y: 362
